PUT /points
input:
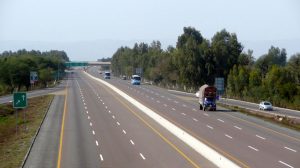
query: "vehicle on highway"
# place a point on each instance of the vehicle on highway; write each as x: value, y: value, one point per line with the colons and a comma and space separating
x: 124, y: 77
x: 265, y: 105
x: 207, y: 97
x: 135, y: 80
x: 106, y: 75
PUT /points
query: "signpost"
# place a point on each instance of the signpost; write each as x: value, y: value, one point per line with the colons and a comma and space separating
x: 33, y: 77
x: 19, y: 102
x: 219, y: 84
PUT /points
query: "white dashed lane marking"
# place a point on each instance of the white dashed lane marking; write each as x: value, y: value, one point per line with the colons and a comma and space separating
x: 194, y: 109
x: 238, y: 127
x: 183, y: 114
x: 251, y: 147
x: 93, y: 132
x: 91, y: 124
x: 209, y: 126
x: 142, y: 156
x: 220, y: 120
x: 124, y: 131
x: 131, y: 142
x: 89, y: 117
x: 165, y: 105
x: 173, y: 109
x: 285, y: 164
x: 118, y: 123
x: 101, y: 157
x: 260, y: 137
x: 195, y: 119
x: 290, y: 149
x: 113, y: 117
x: 205, y: 114
x: 228, y: 136
x: 97, y: 143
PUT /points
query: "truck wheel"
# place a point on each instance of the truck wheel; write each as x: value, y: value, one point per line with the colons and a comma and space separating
x: 200, y: 107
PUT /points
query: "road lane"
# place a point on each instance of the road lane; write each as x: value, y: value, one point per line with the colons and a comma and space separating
x: 102, y: 130
x: 269, y: 153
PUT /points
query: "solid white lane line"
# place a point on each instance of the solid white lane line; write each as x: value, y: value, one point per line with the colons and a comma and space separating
x: 131, y: 142
x: 97, y: 143
x: 237, y: 127
x: 118, y: 123
x: 228, y: 136
x: 173, y: 109
x: 195, y: 119
x: 260, y: 137
x: 124, y: 131
x: 93, y: 132
x: 205, y: 114
x: 101, y: 157
x: 290, y: 149
x: 220, y: 120
x: 251, y: 147
x: 209, y: 126
x: 142, y: 156
x: 91, y: 124
x: 285, y: 164
x: 165, y: 105
x: 194, y: 109
x: 113, y: 117
x: 183, y: 114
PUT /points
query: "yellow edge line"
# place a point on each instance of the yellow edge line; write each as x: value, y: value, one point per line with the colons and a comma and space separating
x: 156, y: 131
x: 62, y: 129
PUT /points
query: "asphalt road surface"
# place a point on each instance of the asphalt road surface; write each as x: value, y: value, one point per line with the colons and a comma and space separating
x: 100, y: 129
x: 248, y: 141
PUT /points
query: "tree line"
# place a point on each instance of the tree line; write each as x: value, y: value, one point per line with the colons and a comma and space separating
x: 196, y: 61
x: 15, y: 68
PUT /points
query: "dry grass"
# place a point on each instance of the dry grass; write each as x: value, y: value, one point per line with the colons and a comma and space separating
x: 13, y: 147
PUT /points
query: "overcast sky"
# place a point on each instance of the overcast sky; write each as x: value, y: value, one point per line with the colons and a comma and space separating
x: 91, y: 29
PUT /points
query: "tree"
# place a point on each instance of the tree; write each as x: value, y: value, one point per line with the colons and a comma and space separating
x: 294, y: 66
x: 226, y: 50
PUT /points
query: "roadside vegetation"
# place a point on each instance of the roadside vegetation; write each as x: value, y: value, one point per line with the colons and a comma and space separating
x: 14, y: 146
x: 15, y: 69
x: 196, y: 61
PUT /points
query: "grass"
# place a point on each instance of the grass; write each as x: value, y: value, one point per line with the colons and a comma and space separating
x: 286, y: 122
x: 14, y: 146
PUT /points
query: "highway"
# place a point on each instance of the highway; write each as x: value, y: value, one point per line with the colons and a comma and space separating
x: 99, y: 129
x: 248, y: 141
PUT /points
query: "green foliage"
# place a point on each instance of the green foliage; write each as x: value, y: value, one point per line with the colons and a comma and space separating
x: 16, y: 66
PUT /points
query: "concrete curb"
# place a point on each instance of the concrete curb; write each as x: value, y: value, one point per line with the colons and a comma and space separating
x: 36, y: 134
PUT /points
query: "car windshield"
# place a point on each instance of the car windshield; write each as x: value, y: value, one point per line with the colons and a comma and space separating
x: 107, y: 74
x: 137, y: 78
x: 267, y: 103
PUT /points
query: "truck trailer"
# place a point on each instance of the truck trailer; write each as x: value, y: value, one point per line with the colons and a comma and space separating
x: 207, y: 97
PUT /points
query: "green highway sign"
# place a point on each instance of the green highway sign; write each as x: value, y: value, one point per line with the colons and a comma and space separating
x: 20, y: 100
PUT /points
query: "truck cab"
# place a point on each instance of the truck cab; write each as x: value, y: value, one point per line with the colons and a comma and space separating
x: 207, y: 97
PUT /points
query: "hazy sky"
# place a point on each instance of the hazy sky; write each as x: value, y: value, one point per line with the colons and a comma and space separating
x: 82, y: 27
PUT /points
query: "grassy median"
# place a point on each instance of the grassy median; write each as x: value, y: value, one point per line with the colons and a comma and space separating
x: 14, y: 144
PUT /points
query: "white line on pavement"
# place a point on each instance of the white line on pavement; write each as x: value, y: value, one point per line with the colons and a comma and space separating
x: 209, y: 126
x: 285, y: 164
x: 220, y: 120
x: 238, y: 127
x: 290, y: 149
x: 251, y: 147
x: 118, y: 123
x: 205, y: 114
x: 101, y: 157
x: 93, y: 132
x: 124, y: 131
x: 260, y: 137
x: 97, y: 143
x: 113, y: 117
x: 228, y: 136
x: 91, y: 124
x: 195, y: 119
x: 183, y: 114
x: 142, y: 156
x: 131, y: 142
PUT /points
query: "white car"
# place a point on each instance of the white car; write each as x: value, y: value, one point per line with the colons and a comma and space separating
x: 265, y: 105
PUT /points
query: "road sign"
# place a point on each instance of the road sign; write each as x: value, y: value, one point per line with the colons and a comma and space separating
x: 219, y: 84
x: 33, y: 77
x: 20, y: 100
